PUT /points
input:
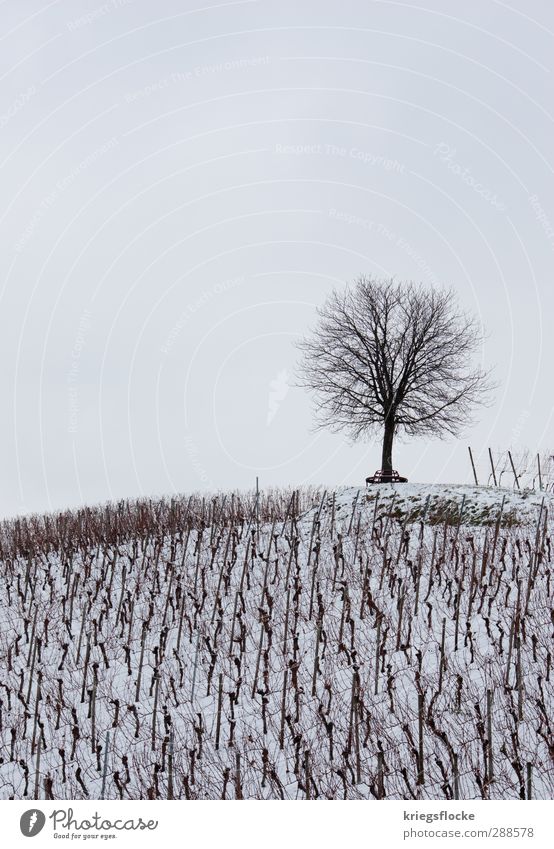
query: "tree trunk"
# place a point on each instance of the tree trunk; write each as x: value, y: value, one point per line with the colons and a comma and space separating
x: 388, y: 437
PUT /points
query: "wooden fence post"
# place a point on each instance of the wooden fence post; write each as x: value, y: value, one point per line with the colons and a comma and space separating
x: 490, y: 768
x: 379, y: 617
x: 380, y: 776
x: 37, y: 770
x: 492, y: 467
x: 456, y: 789
x: 105, y: 769
x: 170, y: 768
x: 219, y: 705
x: 238, y: 785
x: 514, y: 470
x: 420, y: 770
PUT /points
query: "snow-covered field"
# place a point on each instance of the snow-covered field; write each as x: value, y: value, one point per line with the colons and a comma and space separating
x: 478, y: 504
x: 391, y: 647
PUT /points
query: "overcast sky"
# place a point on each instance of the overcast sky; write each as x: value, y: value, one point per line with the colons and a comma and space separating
x: 184, y: 182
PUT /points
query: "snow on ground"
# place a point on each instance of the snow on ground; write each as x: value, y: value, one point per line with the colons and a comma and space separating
x: 346, y: 653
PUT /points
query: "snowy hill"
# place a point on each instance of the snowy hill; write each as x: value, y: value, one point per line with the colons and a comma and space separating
x: 314, y: 647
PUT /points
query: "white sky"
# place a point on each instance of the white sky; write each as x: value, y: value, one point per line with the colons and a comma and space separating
x: 183, y: 182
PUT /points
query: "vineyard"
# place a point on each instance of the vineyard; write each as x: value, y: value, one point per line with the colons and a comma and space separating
x: 299, y: 645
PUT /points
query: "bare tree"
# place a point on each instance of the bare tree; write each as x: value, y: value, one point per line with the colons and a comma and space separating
x: 393, y: 356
